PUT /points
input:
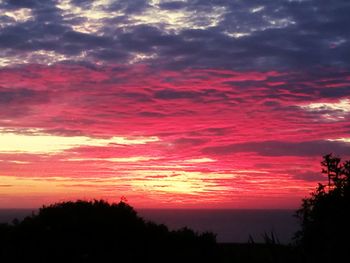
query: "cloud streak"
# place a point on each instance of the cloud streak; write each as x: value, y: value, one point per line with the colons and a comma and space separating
x: 172, y: 103
x: 279, y: 148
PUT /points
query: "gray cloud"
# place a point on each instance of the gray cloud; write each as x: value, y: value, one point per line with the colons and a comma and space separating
x: 280, y: 148
x: 22, y: 4
x: 310, y: 176
x: 174, y: 5
x: 280, y: 34
x: 190, y: 141
x: 170, y: 94
x: 129, y: 7
x: 22, y: 96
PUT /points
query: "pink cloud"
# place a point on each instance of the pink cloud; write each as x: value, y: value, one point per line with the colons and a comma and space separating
x: 188, y: 112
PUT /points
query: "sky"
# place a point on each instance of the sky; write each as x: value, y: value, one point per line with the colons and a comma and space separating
x: 172, y: 104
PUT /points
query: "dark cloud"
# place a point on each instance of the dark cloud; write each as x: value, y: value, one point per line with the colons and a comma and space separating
x: 22, y: 3
x: 18, y: 102
x: 89, y: 40
x: 169, y: 94
x: 310, y: 176
x: 271, y: 103
x: 280, y: 148
x: 190, y: 141
x: 22, y: 96
x: 175, y: 5
x: 109, y: 55
x: 146, y: 38
x: 284, y: 34
x: 276, y: 34
x: 135, y: 96
x: 82, y: 3
x: 336, y: 92
x: 151, y: 114
x: 129, y: 7
x: 218, y: 131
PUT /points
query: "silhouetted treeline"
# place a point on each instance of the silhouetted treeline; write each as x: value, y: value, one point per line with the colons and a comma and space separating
x: 96, y: 231
x: 99, y: 232
x: 325, y: 216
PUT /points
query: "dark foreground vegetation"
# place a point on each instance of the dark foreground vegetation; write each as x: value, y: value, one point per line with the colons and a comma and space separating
x: 96, y: 231
x: 325, y: 216
x: 99, y: 232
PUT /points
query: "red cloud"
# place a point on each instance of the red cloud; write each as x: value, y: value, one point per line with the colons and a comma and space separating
x: 187, y: 111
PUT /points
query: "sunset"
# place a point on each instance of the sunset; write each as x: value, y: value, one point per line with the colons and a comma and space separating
x: 162, y: 104
x: 171, y: 104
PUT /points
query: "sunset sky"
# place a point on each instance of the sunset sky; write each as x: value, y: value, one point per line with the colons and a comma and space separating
x: 172, y: 104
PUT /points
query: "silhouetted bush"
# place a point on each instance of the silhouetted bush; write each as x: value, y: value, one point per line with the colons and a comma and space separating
x: 97, y: 231
x: 325, y: 215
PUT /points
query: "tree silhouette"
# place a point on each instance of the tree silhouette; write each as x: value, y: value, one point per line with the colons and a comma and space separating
x: 325, y: 215
x: 97, y: 231
x: 332, y: 168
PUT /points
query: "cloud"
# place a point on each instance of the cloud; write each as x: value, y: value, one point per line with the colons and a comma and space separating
x: 38, y: 142
x: 173, y: 5
x: 116, y: 160
x: 84, y: 101
x: 283, y: 35
x: 148, y: 93
x: 342, y: 106
x: 22, y: 4
x: 22, y: 96
x: 330, y: 110
x: 310, y: 176
x: 130, y: 7
x: 283, y: 148
x: 17, y: 102
x: 173, y: 94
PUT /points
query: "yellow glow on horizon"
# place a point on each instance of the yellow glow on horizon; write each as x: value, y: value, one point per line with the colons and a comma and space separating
x: 176, y: 184
x: 18, y: 186
x: 11, y: 142
x: 179, y: 182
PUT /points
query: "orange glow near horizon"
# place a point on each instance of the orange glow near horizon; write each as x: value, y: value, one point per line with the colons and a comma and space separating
x: 181, y: 145
x: 172, y: 104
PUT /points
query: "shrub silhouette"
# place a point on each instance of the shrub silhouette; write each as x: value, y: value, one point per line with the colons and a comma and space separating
x: 325, y: 215
x: 96, y: 231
